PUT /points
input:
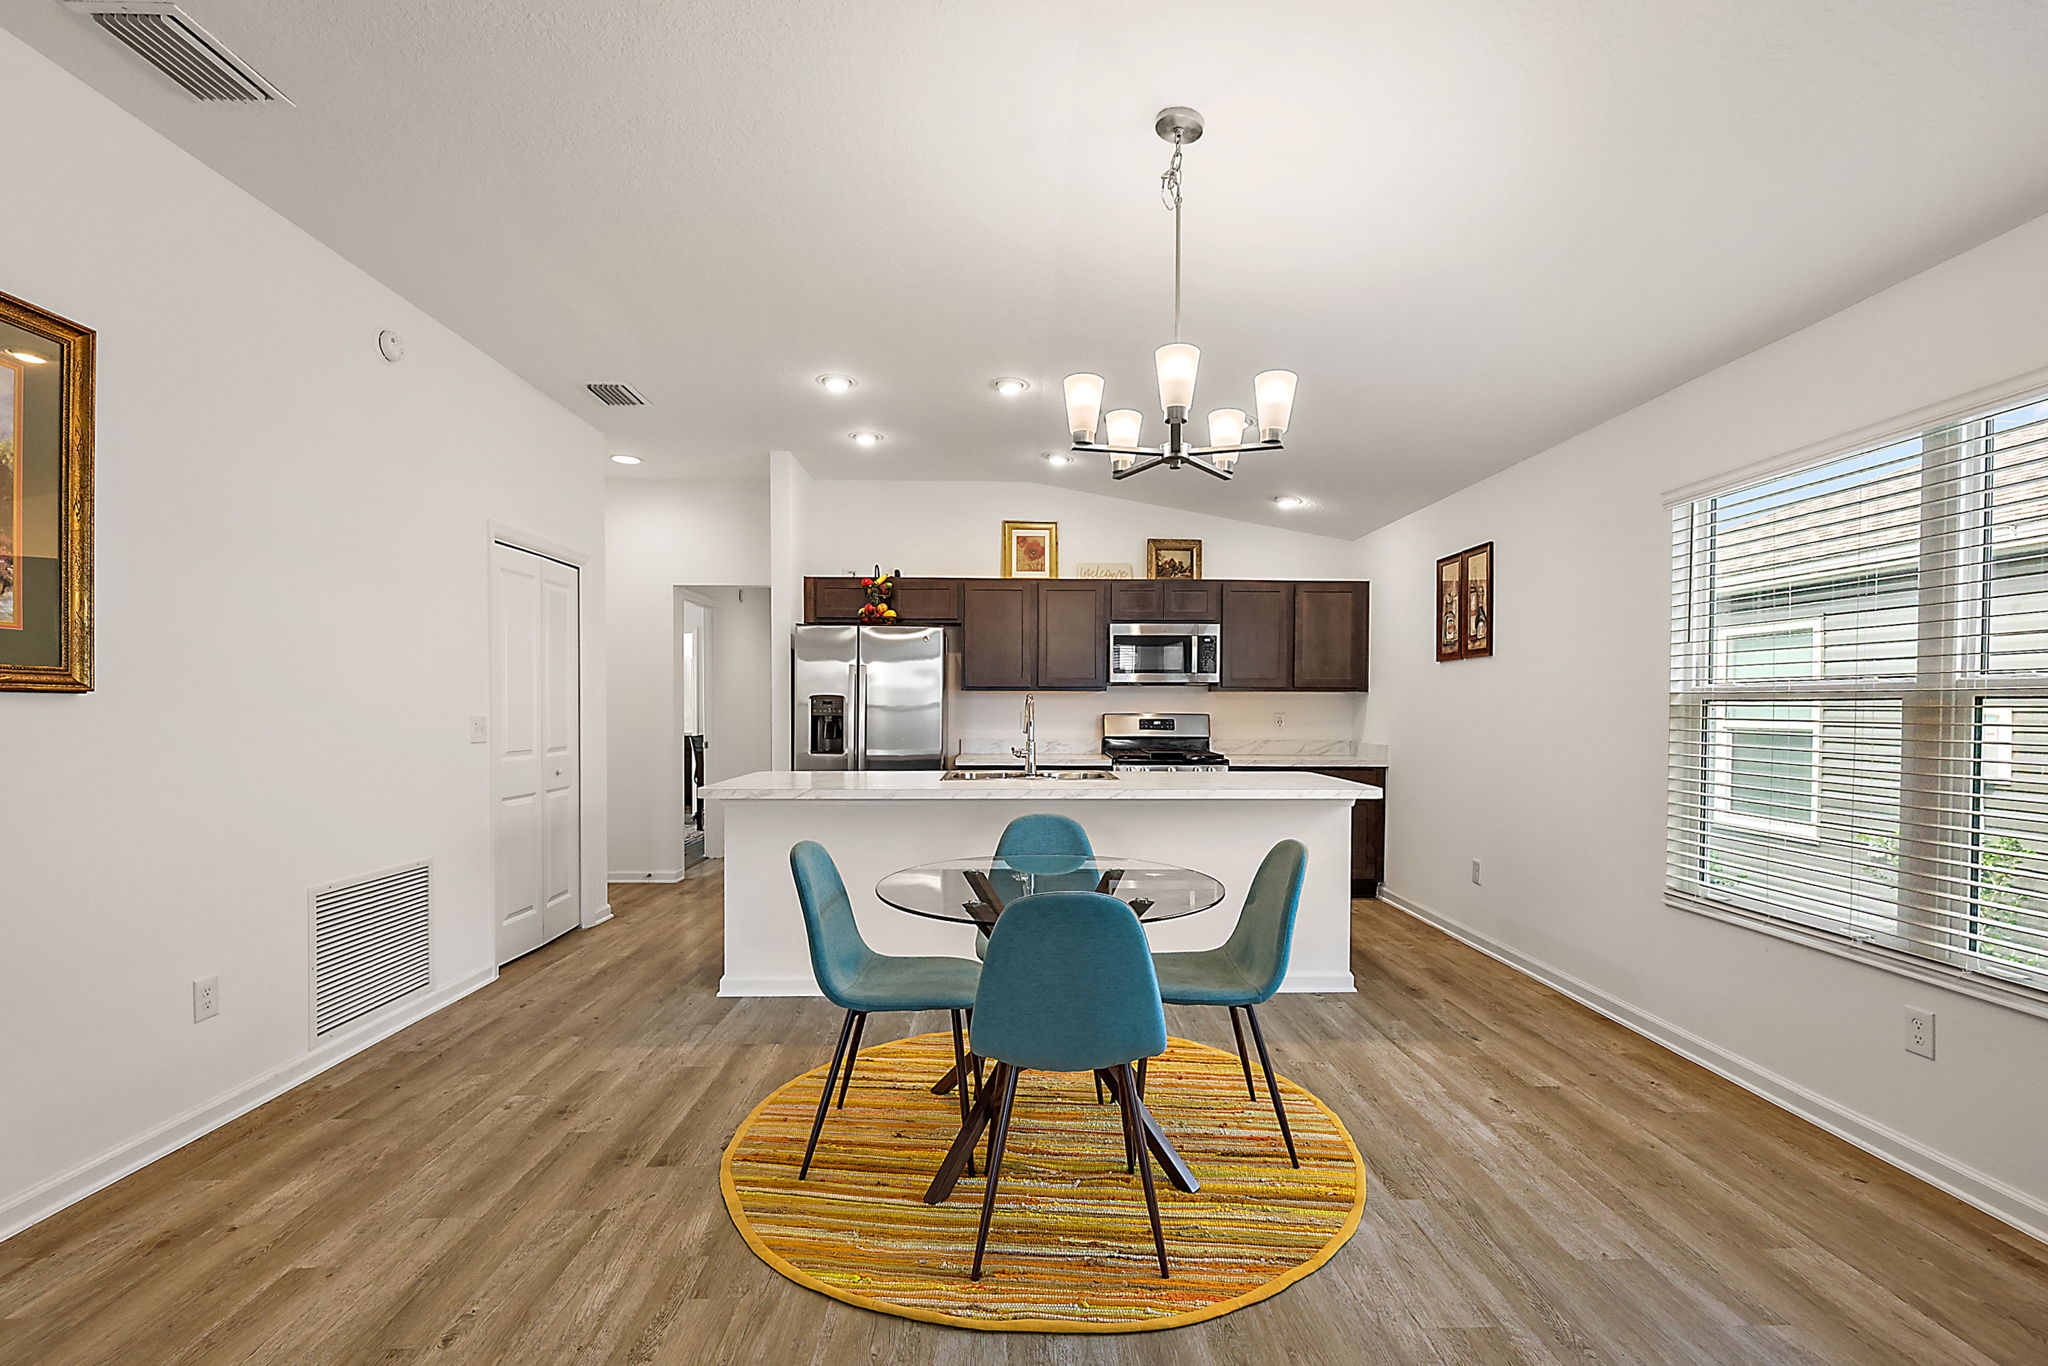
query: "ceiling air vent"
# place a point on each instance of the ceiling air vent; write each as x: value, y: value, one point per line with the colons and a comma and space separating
x: 618, y: 395
x: 167, y: 38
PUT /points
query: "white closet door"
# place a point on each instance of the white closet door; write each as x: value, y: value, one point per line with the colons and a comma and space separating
x: 536, y: 719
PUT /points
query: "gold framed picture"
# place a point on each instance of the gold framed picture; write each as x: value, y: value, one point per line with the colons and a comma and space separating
x: 1031, y: 550
x: 1173, y: 559
x: 46, y: 377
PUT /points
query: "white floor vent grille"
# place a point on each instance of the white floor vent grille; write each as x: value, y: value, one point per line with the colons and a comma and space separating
x: 370, y: 944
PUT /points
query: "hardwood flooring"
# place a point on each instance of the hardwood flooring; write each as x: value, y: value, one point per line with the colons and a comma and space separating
x: 530, y: 1177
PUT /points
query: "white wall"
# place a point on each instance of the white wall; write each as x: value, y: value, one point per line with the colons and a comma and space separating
x: 1547, y: 761
x: 661, y: 534
x: 292, y: 630
x: 955, y: 528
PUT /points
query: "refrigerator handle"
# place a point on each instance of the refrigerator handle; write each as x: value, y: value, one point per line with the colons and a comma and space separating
x: 857, y: 716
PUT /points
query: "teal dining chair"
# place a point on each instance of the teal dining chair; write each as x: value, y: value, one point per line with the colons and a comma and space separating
x: 1041, y: 845
x: 861, y: 982
x: 1068, y: 987
x: 1247, y: 969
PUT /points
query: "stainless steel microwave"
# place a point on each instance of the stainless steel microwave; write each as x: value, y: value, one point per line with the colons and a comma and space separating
x: 1168, y: 652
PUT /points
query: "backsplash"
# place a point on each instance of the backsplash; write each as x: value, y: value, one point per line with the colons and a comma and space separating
x: 1324, y: 724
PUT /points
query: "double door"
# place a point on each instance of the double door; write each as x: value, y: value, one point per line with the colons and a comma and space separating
x: 535, y: 737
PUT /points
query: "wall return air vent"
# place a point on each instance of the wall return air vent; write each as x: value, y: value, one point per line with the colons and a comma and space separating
x: 371, y: 944
x: 171, y: 41
x: 618, y: 395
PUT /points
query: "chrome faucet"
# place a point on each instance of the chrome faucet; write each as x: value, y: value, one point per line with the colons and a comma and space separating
x: 1029, y: 752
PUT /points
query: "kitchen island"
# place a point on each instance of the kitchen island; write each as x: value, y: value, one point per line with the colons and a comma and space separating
x: 875, y: 823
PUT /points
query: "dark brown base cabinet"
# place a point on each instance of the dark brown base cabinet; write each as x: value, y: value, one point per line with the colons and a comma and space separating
x: 1368, y: 826
x: 1019, y: 634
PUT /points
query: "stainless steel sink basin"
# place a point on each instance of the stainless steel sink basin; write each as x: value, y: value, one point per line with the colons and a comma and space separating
x: 988, y: 775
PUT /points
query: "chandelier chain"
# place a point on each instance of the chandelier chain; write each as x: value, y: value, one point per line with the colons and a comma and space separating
x: 1169, y: 194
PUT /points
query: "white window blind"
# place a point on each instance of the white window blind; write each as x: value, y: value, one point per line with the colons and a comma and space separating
x: 1859, y: 700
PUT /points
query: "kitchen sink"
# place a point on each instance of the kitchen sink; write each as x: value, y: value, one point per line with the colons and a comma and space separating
x: 986, y: 775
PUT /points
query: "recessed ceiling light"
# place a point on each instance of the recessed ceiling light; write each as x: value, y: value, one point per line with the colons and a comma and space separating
x: 837, y: 384
x: 1288, y: 500
x: 1009, y: 386
x: 865, y: 438
x: 625, y: 460
x: 29, y: 358
x: 1058, y: 458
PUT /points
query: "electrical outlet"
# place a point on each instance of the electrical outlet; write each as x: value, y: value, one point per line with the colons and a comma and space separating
x: 1279, y: 720
x: 1476, y: 879
x: 205, y: 999
x: 479, y: 730
x: 1920, y: 1031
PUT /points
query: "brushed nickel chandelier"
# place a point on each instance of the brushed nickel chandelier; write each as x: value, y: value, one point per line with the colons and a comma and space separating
x: 1272, y: 390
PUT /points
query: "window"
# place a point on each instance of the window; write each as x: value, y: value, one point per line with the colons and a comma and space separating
x: 1859, y: 704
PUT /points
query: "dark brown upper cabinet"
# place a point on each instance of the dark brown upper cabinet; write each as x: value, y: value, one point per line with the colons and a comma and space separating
x: 919, y: 602
x: 1073, y: 634
x: 999, y: 642
x: 1258, y: 636
x: 1165, y: 600
x: 1330, y: 629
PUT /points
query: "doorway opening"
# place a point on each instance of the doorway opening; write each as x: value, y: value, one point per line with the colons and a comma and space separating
x: 723, y: 703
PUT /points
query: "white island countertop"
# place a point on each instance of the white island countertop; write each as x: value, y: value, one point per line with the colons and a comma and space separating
x: 933, y: 786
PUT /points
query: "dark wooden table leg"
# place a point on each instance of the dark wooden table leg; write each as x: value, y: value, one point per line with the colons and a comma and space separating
x: 962, y: 1151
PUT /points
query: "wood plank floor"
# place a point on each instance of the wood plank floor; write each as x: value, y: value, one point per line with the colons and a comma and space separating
x: 530, y: 1177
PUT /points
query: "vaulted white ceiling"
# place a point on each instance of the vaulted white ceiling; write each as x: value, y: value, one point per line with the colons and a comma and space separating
x: 1474, y: 228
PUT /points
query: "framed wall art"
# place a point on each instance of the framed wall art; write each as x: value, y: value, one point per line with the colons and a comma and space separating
x: 1031, y: 550
x: 46, y: 378
x: 1464, y: 604
x: 1173, y: 559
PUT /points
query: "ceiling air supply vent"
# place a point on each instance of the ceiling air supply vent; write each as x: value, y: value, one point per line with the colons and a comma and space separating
x: 618, y: 395
x: 169, y: 40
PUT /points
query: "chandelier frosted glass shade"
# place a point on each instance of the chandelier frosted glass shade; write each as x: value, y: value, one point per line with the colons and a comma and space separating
x: 1274, y: 390
x: 1177, y: 364
x: 1124, y: 426
x: 1084, y: 405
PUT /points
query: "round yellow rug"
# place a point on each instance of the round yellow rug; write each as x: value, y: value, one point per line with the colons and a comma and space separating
x: 1070, y: 1250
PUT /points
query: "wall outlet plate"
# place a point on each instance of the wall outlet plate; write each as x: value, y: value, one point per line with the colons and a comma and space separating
x: 1476, y: 879
x: 205, y: 999
x: 479, y: 730
x: 1920, y: 1031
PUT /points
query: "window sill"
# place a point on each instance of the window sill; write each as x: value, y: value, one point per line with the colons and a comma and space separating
x: 2026, y: 1000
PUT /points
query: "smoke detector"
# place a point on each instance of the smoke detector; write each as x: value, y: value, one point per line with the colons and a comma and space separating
x: 173, y: 42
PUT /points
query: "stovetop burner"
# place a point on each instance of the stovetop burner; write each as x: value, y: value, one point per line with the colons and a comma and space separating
x: 1160, y: 740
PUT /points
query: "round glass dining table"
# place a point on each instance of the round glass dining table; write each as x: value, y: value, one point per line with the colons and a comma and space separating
x: 974, y: 890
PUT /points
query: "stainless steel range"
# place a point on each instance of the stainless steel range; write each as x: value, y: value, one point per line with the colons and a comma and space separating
x: 1160, y: 742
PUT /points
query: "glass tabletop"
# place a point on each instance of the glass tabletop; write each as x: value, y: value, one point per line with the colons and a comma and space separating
x: 975, y: 890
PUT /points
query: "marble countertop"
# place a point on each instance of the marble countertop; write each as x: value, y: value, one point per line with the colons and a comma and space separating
x: 930, y: 786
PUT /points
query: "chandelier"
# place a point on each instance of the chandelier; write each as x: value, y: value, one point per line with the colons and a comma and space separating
x: 1272, y: 390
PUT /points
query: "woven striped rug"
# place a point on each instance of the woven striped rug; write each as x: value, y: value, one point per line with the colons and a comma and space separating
x: 1070, y: 1249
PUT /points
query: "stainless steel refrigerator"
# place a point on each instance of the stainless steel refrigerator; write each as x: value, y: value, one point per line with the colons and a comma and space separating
x: 869, y: 697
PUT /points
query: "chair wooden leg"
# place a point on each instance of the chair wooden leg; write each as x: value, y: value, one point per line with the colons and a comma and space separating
x: 825, y: 1097
x: 1001, y: 1137
x: 1151, y: 1192
x: 860, y: 1024
x: 1098, y: 1088
x: 1128, y: 1115
x: 1141, y: 1075
x: 1272, y: 1087
x: 958, y: 1156
x: 960, y: 1071
x: 1244, y: 1055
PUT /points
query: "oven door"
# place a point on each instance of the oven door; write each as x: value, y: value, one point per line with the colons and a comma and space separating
x: 1164, y: 652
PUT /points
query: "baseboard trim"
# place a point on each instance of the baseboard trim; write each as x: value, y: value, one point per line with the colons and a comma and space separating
x: 730, y: 985
x: 2001, y: 1201
x: 39, y: 1202
x: 1317, y: 981
x: 645, y: 875
x: 604, y: 913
